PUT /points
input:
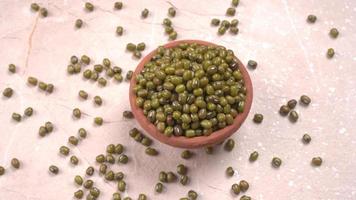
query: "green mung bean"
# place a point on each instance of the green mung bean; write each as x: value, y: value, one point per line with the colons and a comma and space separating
x: 151, y: 151
x: 173, y: 35
x: 193, y: 195
x: 12, y: 68
x: 103, y: 168
x: 74, y: 160
x: 162, y: 176
x: 141, y: 46
x: 110, y: 175
x: 235, y: 2
x: 144, y: 13
x: 85, y: 59
x: 43, y: 12
x: 230, y: 11
x: 32, y: 80
x: 129, y: 75
x: 119, y: 148
x: 82, y: 133
x: 121, y: 185
x: 311, y: 18
x: 171, y: 12
x: 100, y: 158
x: 89, y: 171
x: 116, y: 196
x: 95, y: 192
x: 7, y: 92
x: 110, y: 159
x: 258, y: 118
x: 119, y: 176
x: 215, y: 22
x: 306, y: 138
x: 78, y: 180
x: 98, y: 121
x: 73, y: 140
x: 186, y: 154
x: 244, y: 197
x: 167, y: 22
x: 235, y: 188
x: 305, y: 100
x: 88, y: 184
x: 244, y: 185
x: 229, y: 145
x: 293, y: 116
x: 317, y: 161
x: 35, y: 7
x: 253, y: 156
x: 252, y: 64
x: 284, y: 110
x: 234, y: 30
x: 142, y: 197
x: 159, y: 187
x: 15, y: 163
x: 77, y: 113
x: 50, y: 88
x: 42, y: 85
x: 49, y: 126
x: 334, y: 33
x: 182, y: 169
x: 74, y: 59
x: 276, y: 162
x: 330, y: 53
x: 28, y: 111
x: 17, y: 117
x: 229, y: 171
x: 53, y: 169
x: 292, y: 103
x: 64, y: 150
x: 123, y: 159
x: 89, y: 6
x: 78, y: 23
x: 118, y: 5
x: 83, y: 94
x: 79, y: 194
x: 42, y: 131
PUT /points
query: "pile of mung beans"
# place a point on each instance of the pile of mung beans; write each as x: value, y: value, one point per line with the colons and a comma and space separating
x: 191, y: 90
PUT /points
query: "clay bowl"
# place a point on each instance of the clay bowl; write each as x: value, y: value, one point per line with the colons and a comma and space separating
x: 181, y: 141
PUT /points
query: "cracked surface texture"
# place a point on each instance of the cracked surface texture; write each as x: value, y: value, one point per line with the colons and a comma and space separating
x: 291, y: 62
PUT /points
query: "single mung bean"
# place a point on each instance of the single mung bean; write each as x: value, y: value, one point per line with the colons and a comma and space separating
x: 235, y: 2
x: 253, y: 156
x: 144, y: 13
x: 141, y: 46
x: 244, y: 197
x: 12, y: 68
x: 110, y: 148
x: 311, y: 18
x: 292, y: 103
x: 109, y: 175
x: 193, y: 195
x: 316, y: 161
x: 234, y: 30
x: 28, y: 111
x: 146, y: 141
x: 42, y: 131
x: 230, y: 11
x: 94, y: 76
x: 116, y: 196
x: 284, y: 110
x: 258, y: 118
x: 306, y: 138
x: 32, y: 80
x: 229, y: 171
x: 100, y: 158
x: 43, y: 12
x: 64, y: 150
x: 95, y: 192
x: 118, y: 5
x: 209, y: 150
x: 110, y: 159
x: 77, y: 113
x: 78, y: 180
x: 53, y: 169
x: 244, y: 185
x: 89, y: 6
x: 77, y: 68
x: 182, y: 169
x: 184, y: 179
x: 118, y: 77
x: 172, y: 12
x: 304, y: 99
x: 137, y: 54
x: 123, y: 159
x: 127, y: 114
x: 73, y: 140
x: 171, y: 177
x: 173, y: 35
x: 79, y: 194
x: 74, y: 160
x: 16, y: 117
x: 102, y: 81
x: 293, y: 116
x: 50, y: 88
x: 88, y: 184
x: 89, y: 171
x: 82, y: 133
x: 235, y: 188
x: 74, y: 60
x: 15, y: 163
x: 98, y: 100
x: 119, y: 148
x: 186, y: 154
x: 42, y: 85
x: 49, y: 126
x: 98, y: 121
x: 35, y: 7
x: 103, y: 168
x: 151, y: 151
x: 83, y: 94
x: 106, y: 62
x: 7, y: 92
x: 129, y: 75
x: 142, y: 197
x: 70, y: 69
x: 234, y: 23
x: 78, y: 23
x: 121, y: 185
x: 229, y: 145
x: 2, y: 170
x: 167, y: 22
x: 85, y: 59
x: 119, y: 176
x: 276, y: 162
x: 159, y: 187
x: 252, y: 64
x: 215, y: 22
x: 333, y: 33
x: 119, y: 30
x: 90, y: 197
x: 221, y: 30
x: 131, y: 47
x: 162, y: 176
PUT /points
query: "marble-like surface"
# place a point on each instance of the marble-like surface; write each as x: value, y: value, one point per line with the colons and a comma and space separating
x: 291, y: 61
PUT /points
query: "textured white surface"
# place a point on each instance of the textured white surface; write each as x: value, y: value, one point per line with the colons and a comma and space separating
x: 291, y: 61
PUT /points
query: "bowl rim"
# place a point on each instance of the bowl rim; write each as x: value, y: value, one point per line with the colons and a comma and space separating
x: 182, y: 141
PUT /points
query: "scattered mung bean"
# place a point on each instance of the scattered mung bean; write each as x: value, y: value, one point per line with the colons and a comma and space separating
x: 306, y: 138
x: 64, y: 150
x: 79, y: 194
x: 230, y: 11
x: 333, y: 33
x: 305, y: 100
x: 35, y: 7
x: 17, y: 117
x: 317, y: 161
x: 12, y: 68
x: 28, y: 111
x: 253, y: 156
x: 53, y: 169
x: 78, y: 180
x: 78, y: 23
x: 235, y: 188
x: 159, y: 187
x: 121, y: 185
x: 7, y: 92
x: 293, y: 116
x: 311, y: 18
x: 276, y: 162
x: 89, y: 6
x: 292, y: 103
x: 229, y: 145
x: 244, y: 185
x: 144, y: 13
x: 98, y: 121
x: 15, y: 163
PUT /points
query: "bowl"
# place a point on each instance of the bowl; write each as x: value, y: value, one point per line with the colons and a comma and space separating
x: 182, y: 141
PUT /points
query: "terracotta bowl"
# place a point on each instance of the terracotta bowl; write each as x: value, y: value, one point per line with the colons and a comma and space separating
x: 181, y: 141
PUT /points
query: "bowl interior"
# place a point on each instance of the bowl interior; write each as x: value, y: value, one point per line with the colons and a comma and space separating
x: 182, y: 141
